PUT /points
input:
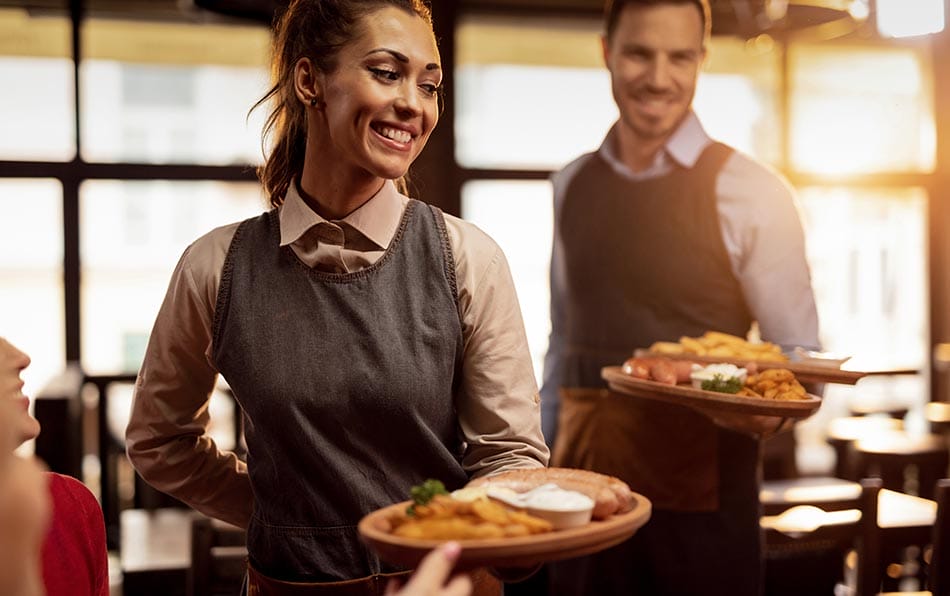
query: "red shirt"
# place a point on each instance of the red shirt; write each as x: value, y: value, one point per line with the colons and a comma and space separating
x: 75, y: 562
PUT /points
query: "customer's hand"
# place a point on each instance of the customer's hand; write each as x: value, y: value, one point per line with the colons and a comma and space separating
x: 430, y: 578
x: 24, y: 515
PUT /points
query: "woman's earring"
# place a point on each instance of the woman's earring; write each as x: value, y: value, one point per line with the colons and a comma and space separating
x: 313, y: 102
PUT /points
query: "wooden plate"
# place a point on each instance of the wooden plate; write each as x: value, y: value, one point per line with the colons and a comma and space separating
x: 522, y: 551
x: 806, y: 372
x: 708, y: 401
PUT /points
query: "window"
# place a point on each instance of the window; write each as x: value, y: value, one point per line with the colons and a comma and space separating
x: 859, y: 109
x: 133, y: 233
x: 172, y: 92
x: 869, y: 277
x: 31, y: 274
x: 737, y: 97
x: 527, y: 248
x: 541, y: 79
x: 36, y: 106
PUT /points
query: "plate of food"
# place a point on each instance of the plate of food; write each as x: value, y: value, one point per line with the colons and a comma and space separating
x: 718, y: 347
x: 772, y: 392
x: 515, y: 519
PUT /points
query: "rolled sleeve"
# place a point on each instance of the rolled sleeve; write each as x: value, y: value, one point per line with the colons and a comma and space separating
x: 498, y: 403
x: 167, y: 436
x: 764, y: 236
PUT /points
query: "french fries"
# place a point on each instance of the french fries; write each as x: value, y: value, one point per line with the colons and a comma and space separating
x: 721, y: 345
x: 445, y: 518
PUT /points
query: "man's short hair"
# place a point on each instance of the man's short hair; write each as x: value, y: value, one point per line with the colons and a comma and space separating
x: 613, y: 8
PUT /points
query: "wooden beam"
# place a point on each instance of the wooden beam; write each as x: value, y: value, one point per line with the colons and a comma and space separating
x: 939, y: 214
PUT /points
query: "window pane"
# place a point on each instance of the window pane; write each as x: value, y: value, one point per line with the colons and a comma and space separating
x: 529, y: 93
x: 536, y: 94
x: 37, y: 110
x: 737, y: 96
x: 172, y: 93
x: 500, y: 209
x: 31, y: 275
x: 870, y: 284
x: 132, y: 235
x: 870, y: 276
x: 861, y: 110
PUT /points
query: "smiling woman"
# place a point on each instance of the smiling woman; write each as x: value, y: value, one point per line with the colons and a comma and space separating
x: 374, y: 112
x: 340, y: 106
x: 371, y: 340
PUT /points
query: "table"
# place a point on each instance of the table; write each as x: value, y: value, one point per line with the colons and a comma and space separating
x: 895, y: 511
x: 843, y: 431
x: 938, y: 415
x: 156, y: 551
x: 826, y: 492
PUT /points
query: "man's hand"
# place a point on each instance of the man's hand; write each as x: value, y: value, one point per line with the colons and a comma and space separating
x: 758, y: 426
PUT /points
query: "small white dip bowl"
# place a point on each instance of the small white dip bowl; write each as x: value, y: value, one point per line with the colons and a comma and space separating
x: 563, y: 508
x: 709, y: 372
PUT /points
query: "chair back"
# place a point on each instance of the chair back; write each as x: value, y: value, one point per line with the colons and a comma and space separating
x: 806, y: 544
x: 906, y: 549
x: 218, y: 558
x: 906, y: 463
x: 940, y: 556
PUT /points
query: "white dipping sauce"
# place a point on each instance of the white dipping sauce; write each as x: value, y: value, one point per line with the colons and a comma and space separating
x: 558, y: 499
x: 563, y: 508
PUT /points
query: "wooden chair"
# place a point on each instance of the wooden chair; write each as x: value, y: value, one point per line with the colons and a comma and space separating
x: 939, y: 575
x: 931, y: 534
x: 937, y: 414
x: 806, y: 544
x: 218, y: 558
x: 906, y: 463
x: 842, y: 432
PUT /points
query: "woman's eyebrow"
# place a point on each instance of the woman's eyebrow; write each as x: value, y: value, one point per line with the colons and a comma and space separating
x: 402, y: 57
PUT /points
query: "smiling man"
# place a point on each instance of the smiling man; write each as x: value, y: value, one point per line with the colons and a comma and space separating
x: 663, y: 232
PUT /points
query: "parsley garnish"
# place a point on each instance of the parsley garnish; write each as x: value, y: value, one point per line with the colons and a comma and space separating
x: 422, y: 493
x: 721, y: 384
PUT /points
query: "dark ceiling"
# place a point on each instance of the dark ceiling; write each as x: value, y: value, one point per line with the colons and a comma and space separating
x: 745, y: 18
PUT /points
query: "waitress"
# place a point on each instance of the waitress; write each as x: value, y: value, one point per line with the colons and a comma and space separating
x: 371, y: 340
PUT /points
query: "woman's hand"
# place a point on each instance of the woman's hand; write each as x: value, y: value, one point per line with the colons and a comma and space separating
x: 430, y: 578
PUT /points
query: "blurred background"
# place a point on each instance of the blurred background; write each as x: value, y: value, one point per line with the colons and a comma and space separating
x: 125, y: 134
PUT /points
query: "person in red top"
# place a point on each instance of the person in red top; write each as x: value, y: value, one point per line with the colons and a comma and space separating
x: 24, y: 512
x: 74, y: 557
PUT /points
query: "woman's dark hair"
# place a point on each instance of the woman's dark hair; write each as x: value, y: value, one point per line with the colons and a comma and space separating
x: 315, y: 29
x: 613, y: 8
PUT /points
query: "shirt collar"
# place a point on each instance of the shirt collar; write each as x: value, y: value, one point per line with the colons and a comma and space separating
x: 377, y: 219
x: 683, y: 147
x: 688, y: 141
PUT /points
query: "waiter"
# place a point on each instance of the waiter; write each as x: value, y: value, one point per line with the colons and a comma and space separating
x: 663, y: 232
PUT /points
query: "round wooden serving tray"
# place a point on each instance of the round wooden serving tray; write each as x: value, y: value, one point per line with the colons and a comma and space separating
x: 709, y: 402
x: 806, y: 372
x: 522, y: 551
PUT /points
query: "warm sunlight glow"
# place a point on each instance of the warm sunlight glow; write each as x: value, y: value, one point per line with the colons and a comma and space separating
x: 861, y: 110
x: 906, y: 18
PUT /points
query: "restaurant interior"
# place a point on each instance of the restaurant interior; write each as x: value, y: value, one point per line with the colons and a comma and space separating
x: 125, y: 133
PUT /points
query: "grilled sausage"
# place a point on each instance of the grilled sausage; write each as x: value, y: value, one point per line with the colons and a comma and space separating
x: 610, y: 495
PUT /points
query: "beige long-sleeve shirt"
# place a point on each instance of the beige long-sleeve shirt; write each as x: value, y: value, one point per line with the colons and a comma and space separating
x: 498, y: 405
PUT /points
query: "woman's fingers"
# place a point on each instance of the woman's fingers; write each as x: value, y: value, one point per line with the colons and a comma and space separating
x: 435, y: 568
x: 432, y: 574
x: 459, y: 586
